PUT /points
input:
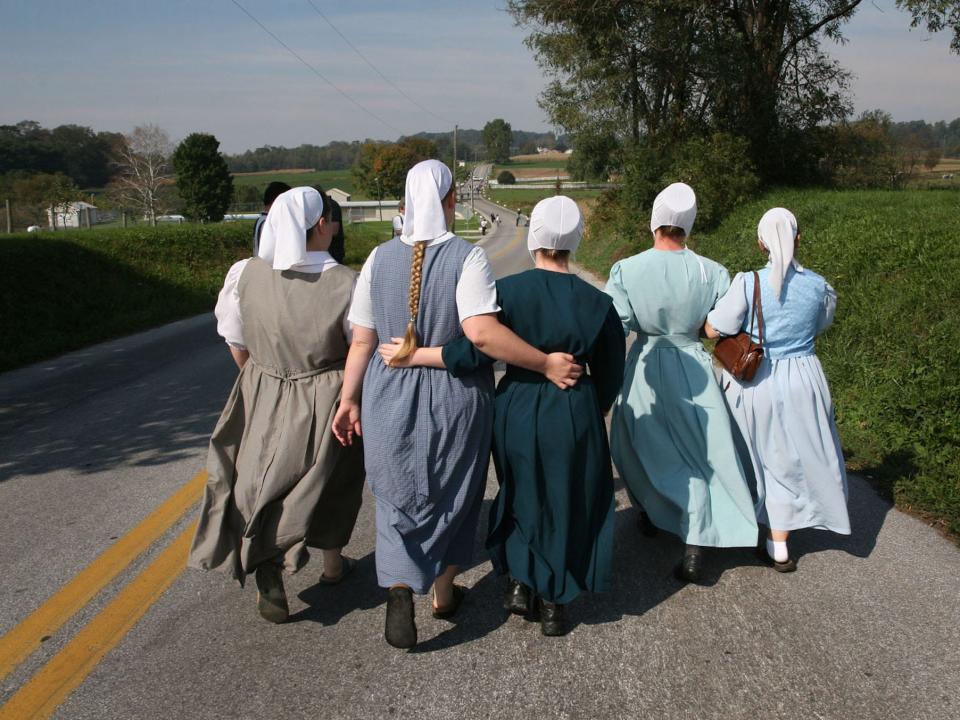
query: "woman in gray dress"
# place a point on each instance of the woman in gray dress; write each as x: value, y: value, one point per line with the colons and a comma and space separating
x: 278, y: 482
x: 426, y: 433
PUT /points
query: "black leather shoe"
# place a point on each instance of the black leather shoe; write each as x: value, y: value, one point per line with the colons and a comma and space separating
x: 553, y: 622
x: 647, y: 528
x: 400, y: 630
x: 271, y: 597
x: 517, y: 598
x: 689, y: 569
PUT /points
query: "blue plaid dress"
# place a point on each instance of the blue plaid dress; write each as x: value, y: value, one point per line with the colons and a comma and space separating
x: 426, y: 433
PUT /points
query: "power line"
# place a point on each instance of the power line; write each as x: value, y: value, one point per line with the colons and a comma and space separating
x: 374, y: 67
x: 315, y: 71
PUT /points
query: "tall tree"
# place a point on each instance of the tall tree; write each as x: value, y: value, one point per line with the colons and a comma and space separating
x: 497, y: 136
x: 142, y: 160
x: 655, y: 71
x: 204, y: 182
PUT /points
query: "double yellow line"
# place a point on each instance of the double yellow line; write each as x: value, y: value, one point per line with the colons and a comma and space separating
x: 51, y: 685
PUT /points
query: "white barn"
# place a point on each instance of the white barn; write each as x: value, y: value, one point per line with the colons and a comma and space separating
x: 75, y: 214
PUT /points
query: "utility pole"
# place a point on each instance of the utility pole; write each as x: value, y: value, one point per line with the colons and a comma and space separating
x: 454, y: 155
x: 9, y: 219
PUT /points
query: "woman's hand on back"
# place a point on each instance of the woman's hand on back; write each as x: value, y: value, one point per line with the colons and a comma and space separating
x: 389, y: 350
x: 562, y: 371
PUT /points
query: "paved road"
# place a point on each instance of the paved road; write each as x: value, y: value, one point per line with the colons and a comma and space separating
x: 93, y: 443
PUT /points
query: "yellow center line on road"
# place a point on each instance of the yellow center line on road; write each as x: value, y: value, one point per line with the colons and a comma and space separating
x: 25, y: 638
x: 46, y: 690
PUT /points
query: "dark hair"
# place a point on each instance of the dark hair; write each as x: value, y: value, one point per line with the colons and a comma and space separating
x: 673, y: 232
x: 337, y: 244
x: 273, y: 191
x: 325, y: 213
x: 554, y: 253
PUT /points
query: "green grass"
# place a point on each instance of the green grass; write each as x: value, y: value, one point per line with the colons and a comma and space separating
x: 892, y: 355
x: 525, y: 199
x: 66, y: 290
x: 326, y: 178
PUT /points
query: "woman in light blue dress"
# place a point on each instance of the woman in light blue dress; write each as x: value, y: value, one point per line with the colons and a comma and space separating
x: 785, y: 413
x: 671, y: 436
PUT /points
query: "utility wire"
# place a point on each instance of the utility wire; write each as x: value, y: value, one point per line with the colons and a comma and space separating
x: 315, y: 71
x: 374, y: 67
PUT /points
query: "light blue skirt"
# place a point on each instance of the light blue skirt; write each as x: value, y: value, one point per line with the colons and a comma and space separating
x: 786, y: 417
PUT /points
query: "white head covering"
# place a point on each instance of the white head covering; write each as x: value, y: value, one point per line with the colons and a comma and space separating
x: 397, y: 224
x: 283, y: 243
x: 778, y: 233
x: 675, y: 205
x: 427, y: 183
x: 556, y: 224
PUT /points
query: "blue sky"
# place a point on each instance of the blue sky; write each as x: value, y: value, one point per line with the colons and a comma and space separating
x: 204, y: 65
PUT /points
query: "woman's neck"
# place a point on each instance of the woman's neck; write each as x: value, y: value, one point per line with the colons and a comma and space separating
x: 666, y: 243
x: 558, y: 265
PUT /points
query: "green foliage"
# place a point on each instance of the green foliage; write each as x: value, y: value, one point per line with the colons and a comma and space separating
x: 99, y: 284
x: 381, y: 169
x: 203, y: 180
x: 891, y: 356
x: 719, y: 170
x: 73, y: 150
x: 595, y: 156
x: 497, y: 136
x: 525, y: 198
x: 506, y: 178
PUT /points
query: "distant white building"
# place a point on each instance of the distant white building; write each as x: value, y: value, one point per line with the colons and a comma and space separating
x: 338, y: 196
x: 75, y: 214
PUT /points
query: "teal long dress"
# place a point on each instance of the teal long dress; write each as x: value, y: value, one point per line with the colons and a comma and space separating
x: 671, y: 436
x: 551, y: 524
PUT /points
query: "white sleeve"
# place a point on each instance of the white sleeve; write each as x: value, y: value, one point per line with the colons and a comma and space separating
x: 361, y: 309
x: 347, y: 327
x: 728, y: 314
x: 477, y: 288
x: 229, y: 321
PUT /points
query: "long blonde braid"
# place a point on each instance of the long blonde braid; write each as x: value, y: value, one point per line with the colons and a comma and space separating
x: 416, y: 279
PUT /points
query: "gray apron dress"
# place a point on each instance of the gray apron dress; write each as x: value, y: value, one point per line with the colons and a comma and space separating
x: 426, y: 433
x: 278, y: 479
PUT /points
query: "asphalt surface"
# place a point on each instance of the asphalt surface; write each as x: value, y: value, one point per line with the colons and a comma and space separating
x: 869, y: 627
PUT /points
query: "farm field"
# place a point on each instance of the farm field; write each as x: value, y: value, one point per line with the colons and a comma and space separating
x: 341, y: 179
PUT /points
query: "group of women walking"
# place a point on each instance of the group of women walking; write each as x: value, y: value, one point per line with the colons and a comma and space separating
x: 390, y: 372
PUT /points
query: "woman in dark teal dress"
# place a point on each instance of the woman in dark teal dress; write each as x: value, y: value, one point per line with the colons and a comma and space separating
x: 551, y: 524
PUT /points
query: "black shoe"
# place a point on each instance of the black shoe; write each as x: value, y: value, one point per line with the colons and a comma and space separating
x: 689, y: 568
x: 445, y: 613
x: 400, y: 630
x: 271, y: 597
x: 788, y: 566
x: 553, y: 621
x: 517, y: 598
x: 647, y: 528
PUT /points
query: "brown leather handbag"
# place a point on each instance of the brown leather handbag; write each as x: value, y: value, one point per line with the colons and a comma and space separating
x: 738, y: 353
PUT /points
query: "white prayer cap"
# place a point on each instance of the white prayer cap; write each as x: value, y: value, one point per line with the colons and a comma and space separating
x: 676, y: 205
x: 778, y: 234
x: 283, y: 243
x: 555, y: 224
x: 397, y: 224
x: 427, y: 184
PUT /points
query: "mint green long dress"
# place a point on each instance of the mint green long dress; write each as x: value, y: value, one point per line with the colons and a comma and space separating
x: 670, y: 436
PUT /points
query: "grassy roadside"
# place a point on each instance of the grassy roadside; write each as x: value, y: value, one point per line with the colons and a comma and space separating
x: 525, y: 199
x: 891, y: 356
x: 67, y: 290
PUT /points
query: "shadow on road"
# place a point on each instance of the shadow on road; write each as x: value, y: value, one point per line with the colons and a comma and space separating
x: 328, y: 604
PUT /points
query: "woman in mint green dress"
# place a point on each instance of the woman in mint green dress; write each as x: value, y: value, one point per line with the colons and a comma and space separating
x: 670, y: 435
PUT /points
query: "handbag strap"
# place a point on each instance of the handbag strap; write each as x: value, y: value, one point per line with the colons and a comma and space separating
x: 757, y: 309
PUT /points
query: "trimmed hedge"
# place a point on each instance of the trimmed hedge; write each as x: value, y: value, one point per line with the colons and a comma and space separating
x: 892, y: 355
x: 66, y: 290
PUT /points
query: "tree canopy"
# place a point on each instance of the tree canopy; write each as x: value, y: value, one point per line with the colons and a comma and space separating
x: 204, y: 182
x: 381, y: 168
x: 497, y: 136
x: 654, y: 71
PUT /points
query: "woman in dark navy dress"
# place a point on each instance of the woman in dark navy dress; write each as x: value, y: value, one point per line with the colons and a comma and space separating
x: 551, y: 525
